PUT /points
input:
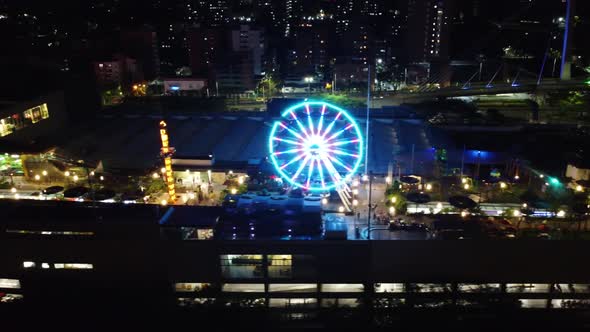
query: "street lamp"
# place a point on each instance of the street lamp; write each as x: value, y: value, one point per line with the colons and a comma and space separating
x: 44, y: 173
x: 308, y: 80
x: 155, y: 175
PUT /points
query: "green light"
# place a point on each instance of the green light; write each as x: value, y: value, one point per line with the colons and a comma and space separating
x: 554, y: 181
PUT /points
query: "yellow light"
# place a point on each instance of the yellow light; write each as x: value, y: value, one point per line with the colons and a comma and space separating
x: 164, y: 202
x: 393, y: 199
x: 241, y: 180
x: 44, y: 173
x: 516, y: 213
x: 428, y: 187
x: 341, y: 209
x: 155, y: 175
x: 579, y: 188
x: 234, y: 191
x: 466, y: 186
x: 561, y: 213
x: 135, y: 87
x: 92, y: 173
x: 75, y: 178
x: 324, y: 201
x: 67, y: 173
x: 163, y: 170
x: 503, y: 185
x: 13, y: 190
x: 464, y: 214
x: 464, y: 180
x: 37, y: 177
x: 16, y: 196
x: 524, y: 205
x: 355, y: 202
x: 391, y: 210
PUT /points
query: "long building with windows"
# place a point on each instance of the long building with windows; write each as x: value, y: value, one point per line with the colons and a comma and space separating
x: 120, y: 262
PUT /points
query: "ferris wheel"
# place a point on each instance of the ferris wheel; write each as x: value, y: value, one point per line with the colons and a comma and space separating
x: 316, y: 146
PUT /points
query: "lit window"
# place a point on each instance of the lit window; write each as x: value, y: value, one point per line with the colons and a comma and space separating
x: 527, y: 288
x: 7, y: 298
x: 340, y: 303
x: 343, y: 288
x: 190, y: 286
x: 533, y: 303
x: 45, y: 265
x: 293, y: 303
x: 243, y: 288
x: 572, y: 288
x: 241, y: 266
x: 389, y: 288
x: 478, y: 288
x: 29, y: 265
x: 293, y: 288
x: 10, y: 283
x: 430, y: 288
x: 280, y: 266
x: 73, y: 266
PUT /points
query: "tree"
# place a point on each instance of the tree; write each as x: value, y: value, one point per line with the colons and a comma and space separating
x: 268, y: 86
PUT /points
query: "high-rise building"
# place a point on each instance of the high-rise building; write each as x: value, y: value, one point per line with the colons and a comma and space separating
x: 218, y: 12
x: 428, y: 30
x: 142, y: 45
x: 343, y: 16
x: 293, y: 12
x: 204, y: 45
x: 245, y: 38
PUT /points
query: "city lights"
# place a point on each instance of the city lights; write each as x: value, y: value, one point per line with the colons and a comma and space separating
x: 355, y: 202
x: 67, y: 173
x: 37, y: 177
x: 516, y: 213
x: 503, y: 185
x: 579, y: 188
x: 464, y: 214
x: 561, y: 213
x: 464, y: 180
x: 428, y: 186
x: 466, y: 186
x: 324, y: 201
x: 155, y: 176
x: 234, y: 191
x: 13, y: 190
x: 75, y: 178
x: 163, y: 202
x: 341, y: 209
x: 392, y: 210
x: 393, y: 199
x: 44, y: 173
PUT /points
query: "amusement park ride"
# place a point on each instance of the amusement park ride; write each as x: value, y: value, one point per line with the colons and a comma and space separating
x: 317, y: 147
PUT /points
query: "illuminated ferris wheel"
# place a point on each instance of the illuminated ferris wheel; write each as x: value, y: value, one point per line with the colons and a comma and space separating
x: 316, y: 146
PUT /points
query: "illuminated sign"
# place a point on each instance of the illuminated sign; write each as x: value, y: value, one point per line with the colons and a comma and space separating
x: 166, y: 153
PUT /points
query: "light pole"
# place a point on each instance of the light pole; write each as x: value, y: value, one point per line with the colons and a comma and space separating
x: 308, y: 80
x: 367, y: 127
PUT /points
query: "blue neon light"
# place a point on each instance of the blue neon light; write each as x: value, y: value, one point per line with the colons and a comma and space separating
x: 174, y: 88
x: 315, y: 146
